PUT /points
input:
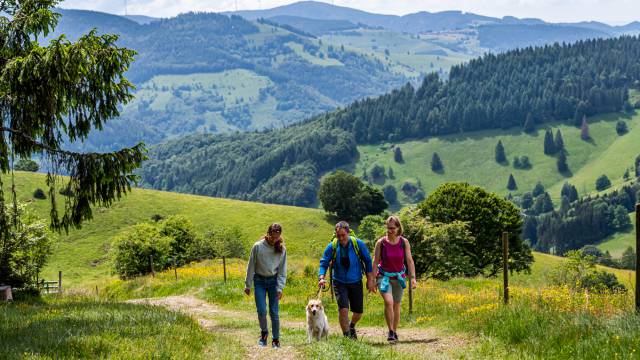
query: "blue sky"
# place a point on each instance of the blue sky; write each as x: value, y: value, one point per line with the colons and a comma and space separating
x: 614, y: 12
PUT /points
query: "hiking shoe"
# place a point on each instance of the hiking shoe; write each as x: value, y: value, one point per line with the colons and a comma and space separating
x: 395, y: 336
x: 275, y: 343
x: 263, y: 339
x: 391, y: 336
x: 352, y: 334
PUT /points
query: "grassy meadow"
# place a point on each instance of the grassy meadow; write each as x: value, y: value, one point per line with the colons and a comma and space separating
x: 471, y: 158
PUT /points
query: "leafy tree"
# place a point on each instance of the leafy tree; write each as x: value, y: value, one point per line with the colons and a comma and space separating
x: 440, y: 251
x: 603, y: 183
x: 44, y: 106
x: 621, y: 219
x: 133, y: 248
x: 558, y: 142
x: 436, y: 163
x: 543, y: 204
x: 182, y: 234
x: 390, y: 194
x: 561, y: 163
x: 227, y: 242
x: 529, y: 124
x: 501, y: 158
x: 26, y: 165
x: 628, y: 259
x: 511, y: 184
x: 584, y: 130
x: 377, y: 172
x: 371, y: 228
x: 346, y: 196
x: 525, y: 163
x: 621, y: 127
x: 488, y: 216
x: 39, y: 194
x: 537, y: 190
x: 549, y: 145
x: 591, y: 250
x: 516, y: 162
x: 397, y: 155
x: 569, y: 191
x: 26, y: 250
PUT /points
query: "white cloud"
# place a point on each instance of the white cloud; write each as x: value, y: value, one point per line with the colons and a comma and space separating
x: 611, y: 11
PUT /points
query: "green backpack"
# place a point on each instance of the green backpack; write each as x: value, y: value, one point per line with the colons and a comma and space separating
x: 354, y: 241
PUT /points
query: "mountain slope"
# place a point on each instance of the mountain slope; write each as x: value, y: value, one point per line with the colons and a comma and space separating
x: 212, y: 73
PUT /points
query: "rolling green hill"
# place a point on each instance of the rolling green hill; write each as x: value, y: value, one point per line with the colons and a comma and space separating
x: 82, y: 254
x: 470, y: 158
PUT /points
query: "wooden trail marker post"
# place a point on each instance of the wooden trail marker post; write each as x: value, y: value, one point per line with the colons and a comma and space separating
x: 224, y: 268
x: 153, y: 273
x: 637, y: 257
x: 505, y: 265
x: 59, y: 282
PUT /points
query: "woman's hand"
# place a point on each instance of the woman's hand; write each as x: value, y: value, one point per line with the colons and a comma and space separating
x: 247, y: 291
x: 279, y: 295
x: 414, y: 283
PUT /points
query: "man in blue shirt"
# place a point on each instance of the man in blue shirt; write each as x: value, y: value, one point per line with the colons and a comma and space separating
x: 347, y: 276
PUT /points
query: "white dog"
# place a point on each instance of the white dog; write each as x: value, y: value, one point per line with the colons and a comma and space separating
x: 318, y: 324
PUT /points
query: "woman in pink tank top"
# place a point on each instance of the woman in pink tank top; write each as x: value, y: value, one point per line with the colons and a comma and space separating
x: 391, y: 253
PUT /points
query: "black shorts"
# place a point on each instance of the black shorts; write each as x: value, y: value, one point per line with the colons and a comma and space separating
x: 349, y: 296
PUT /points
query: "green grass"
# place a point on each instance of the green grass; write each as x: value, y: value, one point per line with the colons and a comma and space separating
x: 81, y: 328
x: 82, y: 255
x: 470, y: 158
x: 407, y: 54
x: 619, y: 242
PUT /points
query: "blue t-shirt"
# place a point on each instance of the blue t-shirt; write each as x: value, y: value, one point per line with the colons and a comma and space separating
x: 353, y: 273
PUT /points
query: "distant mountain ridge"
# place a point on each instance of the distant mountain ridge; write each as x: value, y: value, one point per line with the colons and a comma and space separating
x: 423, y: 21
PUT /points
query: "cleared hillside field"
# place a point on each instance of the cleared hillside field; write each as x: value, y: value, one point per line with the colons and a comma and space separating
x: 470, y: 158
x: 82, y: 254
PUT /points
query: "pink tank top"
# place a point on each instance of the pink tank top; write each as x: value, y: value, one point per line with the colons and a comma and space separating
x: 392, y: 256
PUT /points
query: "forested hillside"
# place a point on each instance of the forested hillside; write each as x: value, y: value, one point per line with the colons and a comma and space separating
x: 535, y: 85
x: 211, y: 73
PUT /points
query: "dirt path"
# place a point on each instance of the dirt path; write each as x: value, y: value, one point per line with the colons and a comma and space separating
x: 427, y: 341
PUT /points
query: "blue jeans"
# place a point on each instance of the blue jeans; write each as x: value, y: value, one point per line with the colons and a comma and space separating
x: 267, y: 286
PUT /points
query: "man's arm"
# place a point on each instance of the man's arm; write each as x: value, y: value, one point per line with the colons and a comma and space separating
x: 324, y: 264
x: 366, y: 257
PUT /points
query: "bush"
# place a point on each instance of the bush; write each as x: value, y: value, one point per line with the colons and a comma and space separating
x: 390, y: 194
x: 221, y: 242
x: 26, y: 165
x: 182, y: 234
x: 132, y: 249
x: 621, y: 128
x: 603, y: 183
x: 39, y: 194
x: 371, y: 229
x: 579, y: 272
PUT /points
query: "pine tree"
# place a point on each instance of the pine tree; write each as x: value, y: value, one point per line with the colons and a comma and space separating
x: 511, y: 184
x: 569, y: 191
x: 436, y: 163
x: 537, y: 190
x: 529, y: 124
x: 549, y: 145
x: 562, y: 163
x: 584, y: 130
x: 559, y: 142
x: 397, y: 155
x: 501, y: 158
x: 391, y: 176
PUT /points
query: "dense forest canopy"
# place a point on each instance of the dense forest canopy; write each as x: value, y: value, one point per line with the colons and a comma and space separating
x: 551, y: 83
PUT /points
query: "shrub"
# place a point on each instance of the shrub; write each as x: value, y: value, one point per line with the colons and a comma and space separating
x: 182, y: 234
x: 132, y: 249
x: 621, y: 127
x: 39, y: 194
x: 221, y: 242
x: 603, y: 183
x: 371, y: 229
x: 26, y: 165
x: 579, y: 272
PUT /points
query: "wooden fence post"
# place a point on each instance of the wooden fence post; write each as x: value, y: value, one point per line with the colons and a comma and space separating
x: 505, y: 265
x: 224, y: 268
x: 637, y: 257
x: 59, y: 282
x: 153, y: 273
x: 175, y: 268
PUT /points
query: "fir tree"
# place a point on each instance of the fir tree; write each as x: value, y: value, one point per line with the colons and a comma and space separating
x: 501, y: 158
x: 559, y: 142
x: 511, y: 184
x: 436, y: 163
x: 538, y: 190
x: 562, y: 163
x: 584, y: 130
x: 569, y: 191
x: 397, y: 155
x: 549, y: 145
x: 391, y: 176
x: 529, y: 124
